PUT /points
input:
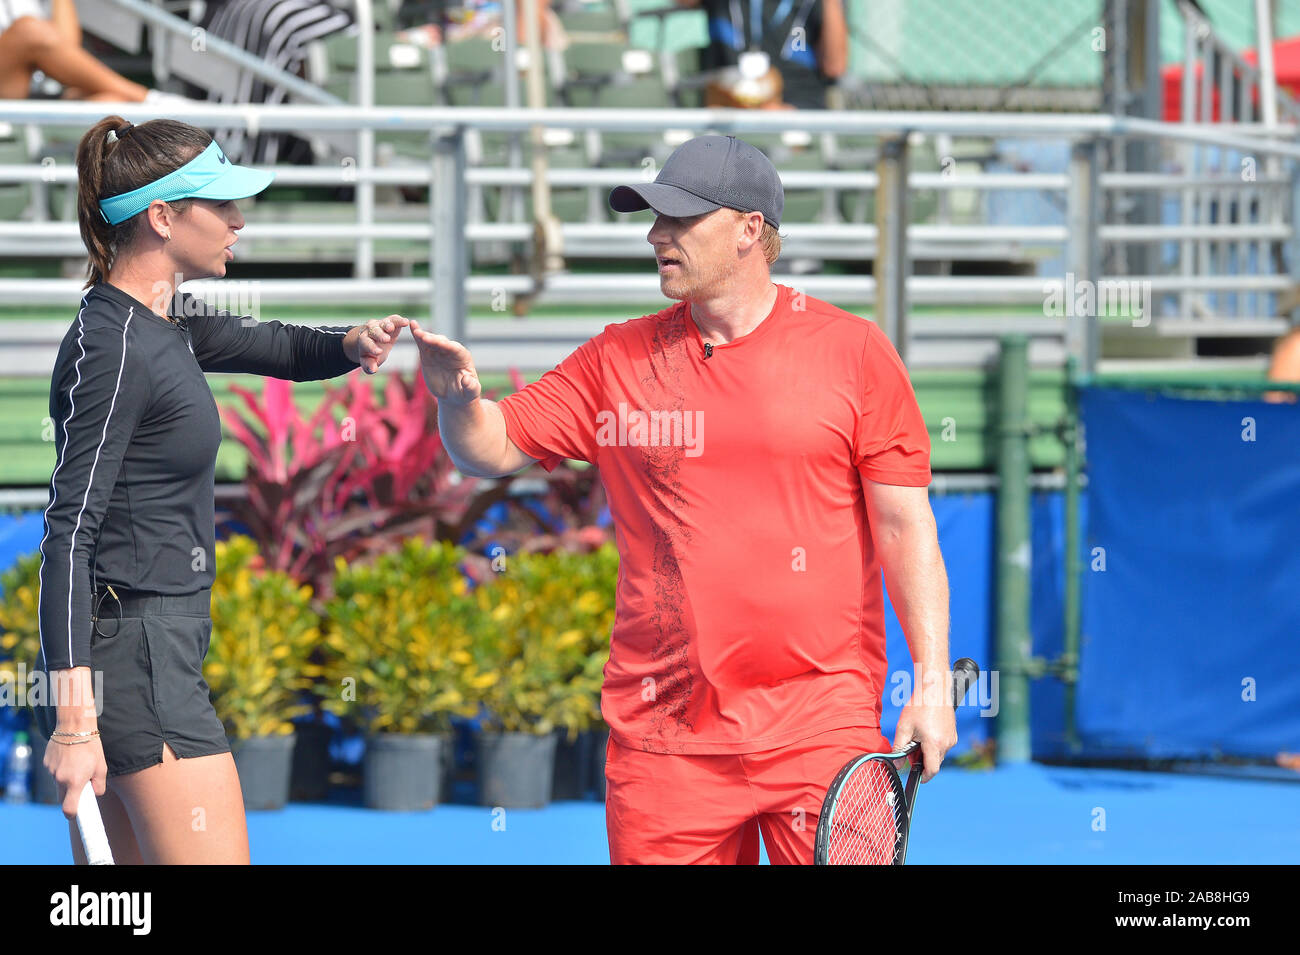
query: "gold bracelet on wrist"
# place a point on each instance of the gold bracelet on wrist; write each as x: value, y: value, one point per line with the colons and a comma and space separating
x: 67, y: 733
x: 73, y: 742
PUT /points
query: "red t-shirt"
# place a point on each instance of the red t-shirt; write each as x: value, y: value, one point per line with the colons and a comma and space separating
x: 749, y: 607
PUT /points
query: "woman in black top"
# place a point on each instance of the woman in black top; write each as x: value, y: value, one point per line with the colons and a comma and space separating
x: 127, y: 555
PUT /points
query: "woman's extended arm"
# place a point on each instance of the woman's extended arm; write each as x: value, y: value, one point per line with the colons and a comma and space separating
x: 226, y: 343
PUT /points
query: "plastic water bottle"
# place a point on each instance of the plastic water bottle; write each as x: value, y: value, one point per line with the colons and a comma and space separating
x: 16, y: 769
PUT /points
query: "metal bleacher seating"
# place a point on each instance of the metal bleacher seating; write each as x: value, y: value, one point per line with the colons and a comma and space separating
x: 17, y: 196
x: 597, y: 67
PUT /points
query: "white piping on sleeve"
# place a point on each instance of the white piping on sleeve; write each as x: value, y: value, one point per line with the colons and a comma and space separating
x: 54, y: 477
x: 90, y: 481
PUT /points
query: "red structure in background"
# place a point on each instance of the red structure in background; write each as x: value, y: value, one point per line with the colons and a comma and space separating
x: 1286, y: 64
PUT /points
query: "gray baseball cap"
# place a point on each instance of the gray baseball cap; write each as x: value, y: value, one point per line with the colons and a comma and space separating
x: 707, y: 173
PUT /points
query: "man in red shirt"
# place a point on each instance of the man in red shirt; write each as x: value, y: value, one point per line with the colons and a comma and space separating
x: 764, y: 460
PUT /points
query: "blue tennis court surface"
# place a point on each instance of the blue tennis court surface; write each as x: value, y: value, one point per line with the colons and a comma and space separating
x: 1030, y: 814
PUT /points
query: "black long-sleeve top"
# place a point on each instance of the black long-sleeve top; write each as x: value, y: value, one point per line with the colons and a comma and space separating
x: 136, y: 437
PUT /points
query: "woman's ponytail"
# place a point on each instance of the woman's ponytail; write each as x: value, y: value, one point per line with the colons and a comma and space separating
x: 115, y: 157
x: 92, y: 158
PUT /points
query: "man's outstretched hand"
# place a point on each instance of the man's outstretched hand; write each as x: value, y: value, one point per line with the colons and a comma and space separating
x: 448, y: 369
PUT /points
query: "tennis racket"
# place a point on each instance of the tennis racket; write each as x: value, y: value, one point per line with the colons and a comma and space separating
x: 91, y: 826
x: 867, y: 812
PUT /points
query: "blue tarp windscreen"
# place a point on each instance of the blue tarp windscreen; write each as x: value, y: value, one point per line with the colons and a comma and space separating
x: 1191, y: 631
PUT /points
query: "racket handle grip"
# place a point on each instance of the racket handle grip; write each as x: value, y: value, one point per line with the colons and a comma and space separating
x: 964, y: 673
x: 90, y: 824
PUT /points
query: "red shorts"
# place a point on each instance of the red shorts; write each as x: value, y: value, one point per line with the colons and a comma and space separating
x: 662, y: 809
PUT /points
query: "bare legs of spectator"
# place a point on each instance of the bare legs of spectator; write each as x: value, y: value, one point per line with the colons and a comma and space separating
x: 31, y: 44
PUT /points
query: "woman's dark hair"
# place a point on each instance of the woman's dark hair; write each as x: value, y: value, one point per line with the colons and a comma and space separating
x: 116, y: 157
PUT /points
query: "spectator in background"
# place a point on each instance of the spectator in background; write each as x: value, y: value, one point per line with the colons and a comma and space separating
x: 279, y: 33
x: 453, y: 21
x: 1285, y: 365
x: 805, y: 43
x: 46, y: 36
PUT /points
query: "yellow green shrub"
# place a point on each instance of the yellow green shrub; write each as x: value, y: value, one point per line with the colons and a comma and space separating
x: 264, y: 630
x: 20, y: 632
x: 399, y: 656
x: 542, y: 626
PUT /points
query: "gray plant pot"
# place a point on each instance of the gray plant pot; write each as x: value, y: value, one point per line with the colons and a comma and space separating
x: 572, y: 774
x: 516, y: 770
x: 309, y: 780
x: 447, y: 765
x: 44, y: 789
x: 264, y: 764
x: 403, y: 771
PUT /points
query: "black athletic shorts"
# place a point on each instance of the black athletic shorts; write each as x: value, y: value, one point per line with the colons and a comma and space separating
x: 148, y: 650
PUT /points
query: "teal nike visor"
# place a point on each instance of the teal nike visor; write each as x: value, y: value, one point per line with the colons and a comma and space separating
x: 209, y: 175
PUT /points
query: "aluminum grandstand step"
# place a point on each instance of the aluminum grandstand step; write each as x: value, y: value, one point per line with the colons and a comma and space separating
x: 1249, y: 366
x: 296, y: 212
x: 937, y: 341
x: 588, y: 288
x: 1212, y: 327
x: 15, y: 197
x: 1178, y: 342
x: 275, y: 233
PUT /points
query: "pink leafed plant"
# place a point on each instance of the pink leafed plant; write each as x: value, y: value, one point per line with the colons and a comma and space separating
x: 357, y: 476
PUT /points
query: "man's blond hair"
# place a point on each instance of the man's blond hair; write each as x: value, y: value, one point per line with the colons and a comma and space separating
x: 770, y: 239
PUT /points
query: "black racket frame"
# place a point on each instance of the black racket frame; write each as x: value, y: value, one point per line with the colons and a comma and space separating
x: 965, y: 672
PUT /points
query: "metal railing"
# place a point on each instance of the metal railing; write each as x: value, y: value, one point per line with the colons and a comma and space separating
x: 895, y: 286
x: 1221, y: 87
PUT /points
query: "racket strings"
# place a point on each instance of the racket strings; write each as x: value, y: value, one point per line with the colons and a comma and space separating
x: 867, y: 824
